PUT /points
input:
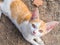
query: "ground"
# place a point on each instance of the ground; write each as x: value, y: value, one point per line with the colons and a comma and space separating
x: 49, y: 11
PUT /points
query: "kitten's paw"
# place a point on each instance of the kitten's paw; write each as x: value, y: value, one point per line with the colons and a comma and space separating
x: 41, y: 43
x: 36, y: 44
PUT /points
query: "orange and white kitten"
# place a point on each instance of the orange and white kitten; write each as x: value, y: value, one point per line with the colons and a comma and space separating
x: 29, y: 24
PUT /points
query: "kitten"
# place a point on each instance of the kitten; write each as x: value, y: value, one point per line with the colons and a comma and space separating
x: 29, y: 24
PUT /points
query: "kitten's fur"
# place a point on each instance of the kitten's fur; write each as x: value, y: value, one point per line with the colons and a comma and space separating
x: 32, y: 28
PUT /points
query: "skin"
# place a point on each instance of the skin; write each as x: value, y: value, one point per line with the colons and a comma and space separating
x: 28, y: 23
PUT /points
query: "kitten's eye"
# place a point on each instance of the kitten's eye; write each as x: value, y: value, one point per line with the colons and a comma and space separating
x: 33, y: 26
x: 41, y: 31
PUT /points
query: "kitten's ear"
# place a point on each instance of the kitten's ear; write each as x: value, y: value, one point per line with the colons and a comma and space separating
x: 51, y: 25
x: 35, y: 14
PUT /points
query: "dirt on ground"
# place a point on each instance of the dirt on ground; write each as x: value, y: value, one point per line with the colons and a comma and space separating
x: 49, y: 11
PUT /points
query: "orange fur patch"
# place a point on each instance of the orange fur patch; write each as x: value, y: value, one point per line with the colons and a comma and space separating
x: 20, y: 10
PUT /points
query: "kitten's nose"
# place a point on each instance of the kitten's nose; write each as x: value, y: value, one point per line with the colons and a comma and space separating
x: 34, y: 32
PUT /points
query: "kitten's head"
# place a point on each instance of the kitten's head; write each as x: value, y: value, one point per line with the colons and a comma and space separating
x: 38, y: 27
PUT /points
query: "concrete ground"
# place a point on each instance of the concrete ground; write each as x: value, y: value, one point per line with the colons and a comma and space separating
x: 49, y: 11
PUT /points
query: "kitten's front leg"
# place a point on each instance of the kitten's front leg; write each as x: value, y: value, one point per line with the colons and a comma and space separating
x: 30, y: 40
x: 39, y: 40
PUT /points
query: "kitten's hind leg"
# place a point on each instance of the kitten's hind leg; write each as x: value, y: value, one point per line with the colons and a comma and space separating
x: 39, y: 40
